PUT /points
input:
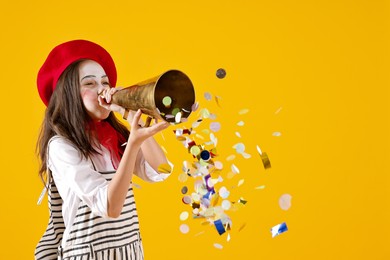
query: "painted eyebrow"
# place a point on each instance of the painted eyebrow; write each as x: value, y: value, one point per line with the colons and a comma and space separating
x: 92, y: 76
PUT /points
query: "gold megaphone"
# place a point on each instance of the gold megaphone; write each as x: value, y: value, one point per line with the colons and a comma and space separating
x: 169, y: 97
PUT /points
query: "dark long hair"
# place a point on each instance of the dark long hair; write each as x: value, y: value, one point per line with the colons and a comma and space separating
x: 66, y: 116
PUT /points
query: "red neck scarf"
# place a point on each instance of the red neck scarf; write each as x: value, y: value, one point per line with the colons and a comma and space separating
x: 112, y: 140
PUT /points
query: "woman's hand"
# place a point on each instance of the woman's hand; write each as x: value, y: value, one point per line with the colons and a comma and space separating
x: 105, y: 97
x: 138, y: 134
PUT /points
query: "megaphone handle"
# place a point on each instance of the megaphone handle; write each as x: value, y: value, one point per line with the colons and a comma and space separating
x: 147, y: 122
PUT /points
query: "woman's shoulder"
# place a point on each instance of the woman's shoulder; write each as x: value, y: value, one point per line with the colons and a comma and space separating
x: 60, y: 143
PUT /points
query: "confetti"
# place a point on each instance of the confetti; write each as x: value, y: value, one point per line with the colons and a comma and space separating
x: 230, y: 157
x: 215, y: 126
x: 224, y: 193
x: 243, y: 111
x: 242, y: 227
x: 235, y: 169
x: 278, y: 110
x: 221, y: 73
x: 218, y: 165
x: 285, y: 201
x: 278, y: 229
x: 264, y: 158
x: 238, y: 134
x: 167, y: 101
x: 136, y: 185
x: 184, y: 190
x: 276, y: 134
x: 178, y: 117
x: 209, y: 200
x: 207, y: 96
x: 187, y: 199
x: 240, y: 123
x: 219, y: 226
x: 184, y: 228
x: 240, y: 148
x: 217, y: 98
x: 226, y: 205
x: 194, y: 106
x: 164, y: 168
x: 184, y: 215
x: 183, y: 177
x: 218, y: 246
x: 260, y: 187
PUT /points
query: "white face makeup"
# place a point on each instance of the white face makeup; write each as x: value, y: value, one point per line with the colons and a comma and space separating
x: 93, y: 80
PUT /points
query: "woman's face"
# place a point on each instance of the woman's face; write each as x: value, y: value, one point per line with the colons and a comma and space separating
x: 93, y: 80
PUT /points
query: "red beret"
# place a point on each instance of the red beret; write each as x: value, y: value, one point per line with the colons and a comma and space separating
x: 65, y: 54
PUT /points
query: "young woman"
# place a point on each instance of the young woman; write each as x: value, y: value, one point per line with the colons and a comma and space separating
x: 88, y: 158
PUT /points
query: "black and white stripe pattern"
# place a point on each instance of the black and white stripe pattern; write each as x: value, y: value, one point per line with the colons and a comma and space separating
x: 47, y: 247
x: 94, y: 237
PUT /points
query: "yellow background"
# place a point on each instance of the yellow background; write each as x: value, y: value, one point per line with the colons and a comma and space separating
x: 324, y: 65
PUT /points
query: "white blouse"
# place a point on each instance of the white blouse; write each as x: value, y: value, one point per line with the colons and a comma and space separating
x: 76, y: 178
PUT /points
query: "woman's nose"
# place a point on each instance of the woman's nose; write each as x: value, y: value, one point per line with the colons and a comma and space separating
x: 102, y: 88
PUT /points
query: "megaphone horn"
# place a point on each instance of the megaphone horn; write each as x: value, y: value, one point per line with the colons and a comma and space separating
x: 168, y: 97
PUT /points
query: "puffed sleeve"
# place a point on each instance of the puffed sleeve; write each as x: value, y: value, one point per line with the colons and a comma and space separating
x: 74, y: 176
x: 146, y: 172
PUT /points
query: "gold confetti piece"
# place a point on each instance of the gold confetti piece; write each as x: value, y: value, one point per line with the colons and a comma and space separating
x: 266, y: 161
x: 238, y: 134
x: 241, y: 123
x: 217, y: 98
x: 241, y: 200
x: 199, y: 136
x: 200, y: 233
x: 278, y: 110
x: 183, y: 177
x: 164, y: 168
x: 259, y: 150
x: 235, y: 168
x: 215, y: 200
x: 260, y: 187
x: 230, y: 175
x: 243, y: 111
x: 242, y: 227
x: 240, y: 182
x: 228, y: 237
x: 164, y: 150
x: 231, y: 157
x: 181, y: 138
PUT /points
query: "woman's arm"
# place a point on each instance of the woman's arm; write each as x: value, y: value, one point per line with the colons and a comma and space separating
x: 138, y: 139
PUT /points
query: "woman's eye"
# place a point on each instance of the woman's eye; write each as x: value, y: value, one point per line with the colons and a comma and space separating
x: 106, y: 83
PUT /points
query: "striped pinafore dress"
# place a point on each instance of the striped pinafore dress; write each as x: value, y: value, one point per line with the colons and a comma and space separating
x: 91, y: 236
